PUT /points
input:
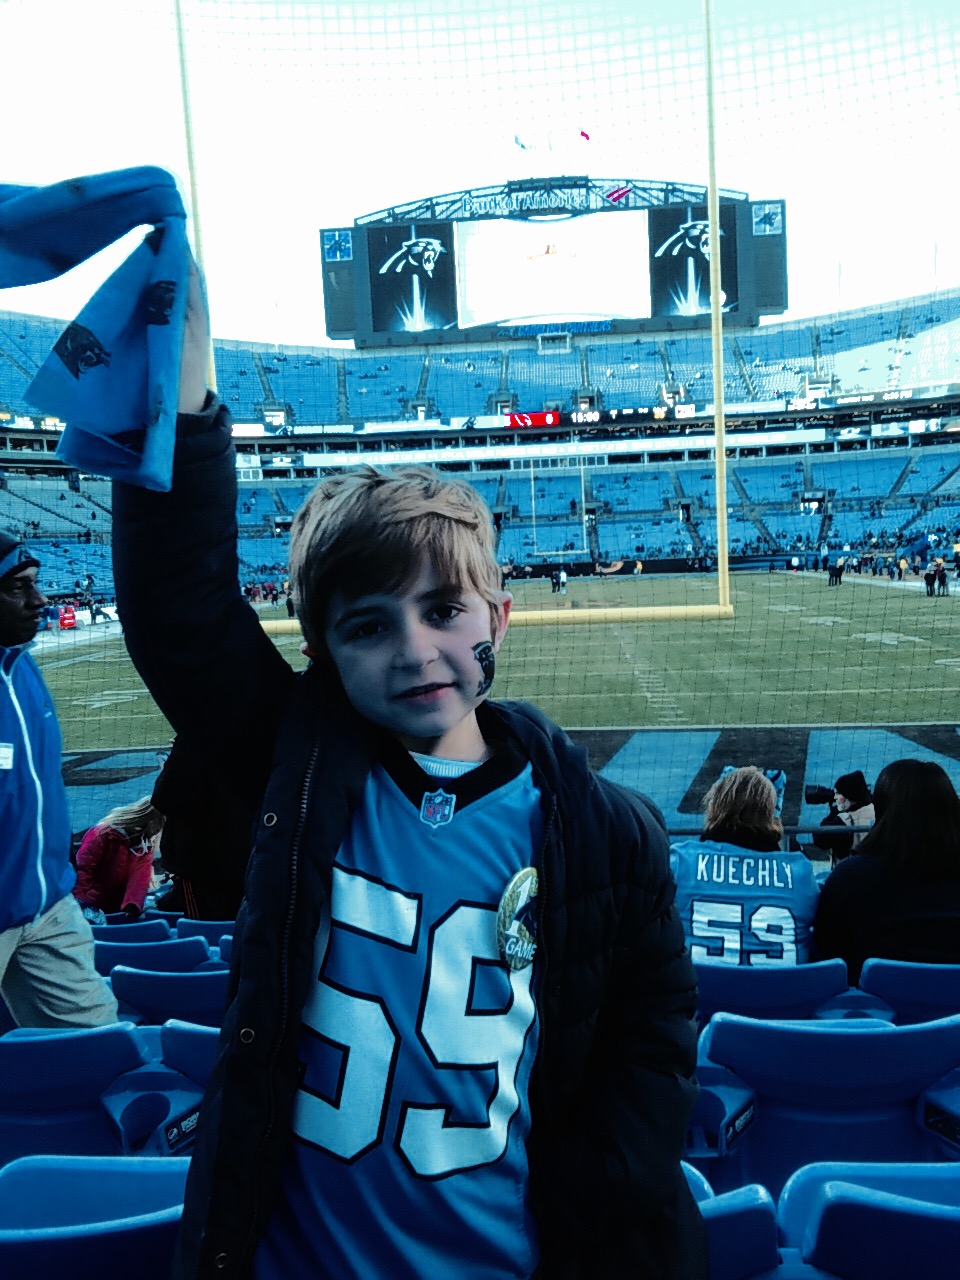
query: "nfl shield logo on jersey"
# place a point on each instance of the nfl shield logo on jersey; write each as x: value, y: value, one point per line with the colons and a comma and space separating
x: 436, y: 808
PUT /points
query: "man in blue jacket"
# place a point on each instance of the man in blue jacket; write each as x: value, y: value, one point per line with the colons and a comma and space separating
x: 47, y: 974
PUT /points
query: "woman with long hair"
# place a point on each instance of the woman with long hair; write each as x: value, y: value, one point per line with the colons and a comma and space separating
x: 115, y: 859
x: 743, y: 899
x: 898, y: 896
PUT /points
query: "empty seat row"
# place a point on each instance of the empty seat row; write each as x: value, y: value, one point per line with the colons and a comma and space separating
x: 895, y: 990
x: 110, y: 1090
x: 94, y: 1216
x: 776, y: 1095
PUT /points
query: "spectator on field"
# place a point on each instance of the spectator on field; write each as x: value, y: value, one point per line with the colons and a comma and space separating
x: 742, y: 899
x: 852, y: 807
x: 47, y: 973
x: 437, y: 879
x: 898, y: 896
x: 115, y: 859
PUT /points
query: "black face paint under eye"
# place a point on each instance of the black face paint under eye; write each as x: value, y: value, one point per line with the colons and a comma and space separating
x: 484, y: 654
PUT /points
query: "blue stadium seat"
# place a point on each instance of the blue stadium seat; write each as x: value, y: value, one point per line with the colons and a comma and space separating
x: 225, y: 947
x: 785, y: 991
x: 741, y: 1231
x: 178, y: 955
x: 875, y: 1221
x: 89, y: 1217
x: 157, y: 913
x: 699, y: 1186
x: 915, y: 992
x: 153, y: 997
x: 140, y: 930
x: 778, y: 1095
x: 212, y: 930
x: 51, y: 1085
x: 189, y: 1048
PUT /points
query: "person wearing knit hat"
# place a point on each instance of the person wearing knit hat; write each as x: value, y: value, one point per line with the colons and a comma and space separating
x: 852, y: 807
x: 14, y: 555
x: 47, y: 973
x: 850, y: 791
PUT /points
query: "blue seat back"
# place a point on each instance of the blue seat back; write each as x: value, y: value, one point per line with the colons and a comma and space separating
x: 155, y: 997
x: 139, y: 931
x: 844, y: 1090
x: 212, y: 930
x: 869, y: 1233
x: 51, y: 1084
x: 800, y: 1197
x: 782, y: 991
x: 90, y: 1218
x: 178, y: 955
x: 915, y: 992
x: 741, y: 1229
x: 189, y: 1048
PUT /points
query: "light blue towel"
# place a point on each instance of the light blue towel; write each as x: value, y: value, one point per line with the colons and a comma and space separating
x: 113, y: 375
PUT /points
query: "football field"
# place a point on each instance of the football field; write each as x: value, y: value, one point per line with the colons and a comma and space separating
x: 796, y: 653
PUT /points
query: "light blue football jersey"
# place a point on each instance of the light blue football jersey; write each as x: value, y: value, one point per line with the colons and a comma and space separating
x: 739, y: 906
x: 417, y: 1042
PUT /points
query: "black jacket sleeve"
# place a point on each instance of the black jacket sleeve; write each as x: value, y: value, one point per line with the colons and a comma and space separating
x: 192, y: 636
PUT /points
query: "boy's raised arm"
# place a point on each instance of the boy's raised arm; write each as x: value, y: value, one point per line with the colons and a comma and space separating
x: 192, y: 636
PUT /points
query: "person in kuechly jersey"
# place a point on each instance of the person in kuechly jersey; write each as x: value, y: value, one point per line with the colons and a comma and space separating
x: 742, y: 899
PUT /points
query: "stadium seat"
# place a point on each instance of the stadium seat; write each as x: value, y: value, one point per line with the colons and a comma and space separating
x: 175, y: 955
x: 741, y: 1229
x: 226, y: 947
x: 153, y: 997
x: 875, y: 1221
x: 51, y: 1085
x: 785, y: 991
x: 191, y: 1049
x: 140, y: 931
x: 915, y: 992
x: 89, y: 1217
x: 698, y: 1184
x: 778, y: 1095
x: 212, y: 930
x: 157, y: 913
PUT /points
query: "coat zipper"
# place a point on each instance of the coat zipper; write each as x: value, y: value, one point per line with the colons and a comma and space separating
x: 285, y: 966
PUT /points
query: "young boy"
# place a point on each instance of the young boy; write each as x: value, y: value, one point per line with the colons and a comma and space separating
x: 460, y: 1039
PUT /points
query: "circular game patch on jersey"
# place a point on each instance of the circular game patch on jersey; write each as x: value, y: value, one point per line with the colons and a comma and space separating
x: 517, y: 919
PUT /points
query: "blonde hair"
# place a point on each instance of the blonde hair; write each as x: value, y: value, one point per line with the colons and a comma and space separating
x: 137, y: 819
x: 743, y: 798
x: 367, y: 530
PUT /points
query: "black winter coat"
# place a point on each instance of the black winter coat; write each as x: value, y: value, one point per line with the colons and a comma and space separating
x: 613, y: 1082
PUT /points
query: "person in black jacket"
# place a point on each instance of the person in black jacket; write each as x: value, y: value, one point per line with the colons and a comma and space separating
x: 460, y: 1036
x: 898, y: 896
x: 852, y: 807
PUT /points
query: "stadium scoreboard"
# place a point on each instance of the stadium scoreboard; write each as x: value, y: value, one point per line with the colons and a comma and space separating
x: 550, y: 256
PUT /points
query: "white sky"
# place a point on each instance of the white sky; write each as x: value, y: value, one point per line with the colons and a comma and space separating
x: 311, y: 113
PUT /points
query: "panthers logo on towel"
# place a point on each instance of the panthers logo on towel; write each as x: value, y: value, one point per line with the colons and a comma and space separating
x: 81, y: 350
x: 157, y: 301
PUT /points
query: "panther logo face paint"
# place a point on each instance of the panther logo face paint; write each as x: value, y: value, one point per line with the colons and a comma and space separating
x: 485, y: 655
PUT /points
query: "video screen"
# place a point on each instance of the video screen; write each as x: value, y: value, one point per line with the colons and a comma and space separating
x: 532, y: 272
x: 680, y: 253
x: 412, y: 277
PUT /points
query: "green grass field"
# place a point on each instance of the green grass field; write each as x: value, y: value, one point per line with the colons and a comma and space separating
x: 797, y: 652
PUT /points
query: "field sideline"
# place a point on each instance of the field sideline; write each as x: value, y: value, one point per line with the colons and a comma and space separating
x: 797, y: 652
